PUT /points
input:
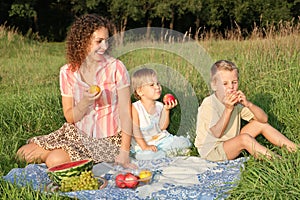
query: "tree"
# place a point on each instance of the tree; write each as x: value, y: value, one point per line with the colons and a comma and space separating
x: 121, y: 11
x: 24, y: 13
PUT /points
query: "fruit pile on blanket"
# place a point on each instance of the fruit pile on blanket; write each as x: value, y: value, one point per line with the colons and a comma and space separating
x: 130, y: 180
x: 74, y: 176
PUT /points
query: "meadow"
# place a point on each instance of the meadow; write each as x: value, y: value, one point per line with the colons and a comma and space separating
x: 269, y: 73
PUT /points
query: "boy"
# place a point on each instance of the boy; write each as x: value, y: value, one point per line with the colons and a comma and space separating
x: 219, y: 134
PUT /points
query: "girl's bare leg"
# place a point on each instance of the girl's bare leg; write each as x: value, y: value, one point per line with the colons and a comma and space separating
x: 254, y: 128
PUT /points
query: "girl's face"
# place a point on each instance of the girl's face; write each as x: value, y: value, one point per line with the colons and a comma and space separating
x: 225, y: 82
x: 150, y: 90
x: 98, y: 44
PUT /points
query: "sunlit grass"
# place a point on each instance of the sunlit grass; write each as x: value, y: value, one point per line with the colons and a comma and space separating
x: 269, y: 71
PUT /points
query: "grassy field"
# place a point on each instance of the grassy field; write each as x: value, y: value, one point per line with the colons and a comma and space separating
x: 270, y: 67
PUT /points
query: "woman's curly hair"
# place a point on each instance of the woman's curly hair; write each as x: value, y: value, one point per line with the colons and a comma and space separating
x: 79, y: 37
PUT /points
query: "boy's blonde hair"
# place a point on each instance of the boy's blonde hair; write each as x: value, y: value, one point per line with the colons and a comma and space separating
x: 222, y: 65
x: 140, y: 78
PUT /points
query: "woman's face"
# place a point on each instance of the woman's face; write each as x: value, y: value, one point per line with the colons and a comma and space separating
x: 98, y: 44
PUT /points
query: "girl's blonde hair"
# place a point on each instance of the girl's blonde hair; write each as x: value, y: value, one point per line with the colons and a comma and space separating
x: 140, y: 78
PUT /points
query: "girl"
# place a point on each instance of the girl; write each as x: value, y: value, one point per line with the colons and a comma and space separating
x: 98, y: 124
x: 151, y: 119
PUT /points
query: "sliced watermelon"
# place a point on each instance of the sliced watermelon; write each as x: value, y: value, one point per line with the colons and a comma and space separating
x: 57, y: 173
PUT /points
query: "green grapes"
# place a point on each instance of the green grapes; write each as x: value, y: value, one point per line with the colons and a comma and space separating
x: 85, y: 181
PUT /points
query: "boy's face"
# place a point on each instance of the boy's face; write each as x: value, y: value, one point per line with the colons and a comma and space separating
x: 225, y: 82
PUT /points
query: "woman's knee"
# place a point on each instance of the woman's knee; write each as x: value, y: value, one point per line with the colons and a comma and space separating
x: 57, y: 157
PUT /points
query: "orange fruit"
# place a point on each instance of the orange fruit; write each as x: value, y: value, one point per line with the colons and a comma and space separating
x: 94, y: 89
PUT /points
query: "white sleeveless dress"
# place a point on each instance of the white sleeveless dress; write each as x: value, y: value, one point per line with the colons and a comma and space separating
x: 153, y: 135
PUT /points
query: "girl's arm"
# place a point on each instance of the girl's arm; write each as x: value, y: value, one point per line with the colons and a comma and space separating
x: 164, y: 120
x: 138, y: 136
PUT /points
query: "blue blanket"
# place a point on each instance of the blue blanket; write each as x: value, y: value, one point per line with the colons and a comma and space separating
x: 174, y: 178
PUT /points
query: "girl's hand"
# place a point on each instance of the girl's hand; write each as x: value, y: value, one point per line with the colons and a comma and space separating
x: 150, y: 148
x: 230, y: 99
x: 171, y: 105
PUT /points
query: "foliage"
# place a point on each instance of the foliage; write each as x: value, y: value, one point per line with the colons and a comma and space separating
x: 52, y: 18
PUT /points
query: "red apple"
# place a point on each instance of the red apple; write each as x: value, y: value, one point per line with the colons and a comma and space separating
x: 168, y: 98
x: 131, y: 181
x: 120, y: 181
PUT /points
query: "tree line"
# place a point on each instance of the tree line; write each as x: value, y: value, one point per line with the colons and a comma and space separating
x: 50, y: 19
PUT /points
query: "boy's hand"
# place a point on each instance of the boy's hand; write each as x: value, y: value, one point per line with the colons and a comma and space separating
x: 242, y: 99
x: 171, y: 105
x: 230, y: 99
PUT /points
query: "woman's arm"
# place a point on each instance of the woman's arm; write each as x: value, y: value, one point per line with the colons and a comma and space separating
x: 124, y: 107
x: 75, y: 113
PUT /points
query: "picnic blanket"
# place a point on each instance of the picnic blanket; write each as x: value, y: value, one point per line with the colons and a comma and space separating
x: 173, y: 178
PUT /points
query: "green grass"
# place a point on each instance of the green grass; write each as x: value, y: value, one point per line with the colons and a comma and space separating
x: 30, y: 100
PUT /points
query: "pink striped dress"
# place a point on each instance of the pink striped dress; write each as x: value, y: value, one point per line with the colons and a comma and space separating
x: 102, y: 118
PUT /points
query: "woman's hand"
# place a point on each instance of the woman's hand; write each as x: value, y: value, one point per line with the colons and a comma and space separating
x: 124, y: 160
x: 91, y: 97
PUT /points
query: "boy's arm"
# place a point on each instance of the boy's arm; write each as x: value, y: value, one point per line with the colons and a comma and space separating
x: 259, y: 114
x: 229, y: 101
x: 219, y: 128
x: 138, y: 136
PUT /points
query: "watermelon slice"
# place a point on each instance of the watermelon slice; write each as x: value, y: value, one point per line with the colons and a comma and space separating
x: 57, y: 173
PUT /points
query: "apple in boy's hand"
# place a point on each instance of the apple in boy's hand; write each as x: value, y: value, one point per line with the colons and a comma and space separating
x: 168, y: 98
x: 120, y: 181
x: 94, y: 88
x: 131, y: 181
